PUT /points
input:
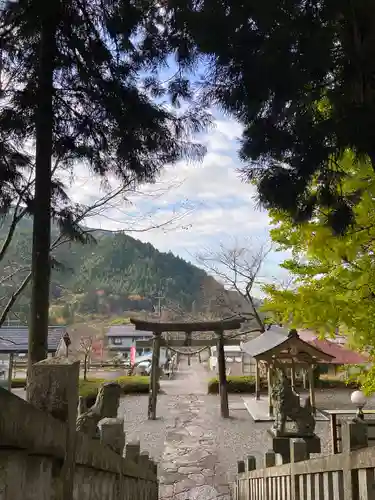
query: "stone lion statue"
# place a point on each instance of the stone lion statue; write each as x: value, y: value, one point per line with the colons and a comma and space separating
x: 287, y: 404
x: 106, y: 405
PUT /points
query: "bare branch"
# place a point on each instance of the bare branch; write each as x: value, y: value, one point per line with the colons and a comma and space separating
x: 238, y: 268
x: 13, y: 298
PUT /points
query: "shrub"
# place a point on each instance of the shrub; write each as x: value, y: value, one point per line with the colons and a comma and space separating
x: 18, y: 383
x: 120, y: 321
x: 88, y: 389
x: 334, y: 382
x: 244, y: 384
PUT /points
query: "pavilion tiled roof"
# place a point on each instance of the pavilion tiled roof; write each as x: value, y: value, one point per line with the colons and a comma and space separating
x: 277, y: 336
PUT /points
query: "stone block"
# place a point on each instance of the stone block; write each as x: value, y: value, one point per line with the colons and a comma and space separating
x: 281, y: 445
x: 53, y: 387
x: 112, y: 433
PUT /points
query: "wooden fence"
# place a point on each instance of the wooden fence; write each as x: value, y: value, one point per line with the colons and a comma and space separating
x: 335, y: 426
x: 345, y: 476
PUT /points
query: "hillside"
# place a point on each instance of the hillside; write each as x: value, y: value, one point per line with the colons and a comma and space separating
x: 113, y: 275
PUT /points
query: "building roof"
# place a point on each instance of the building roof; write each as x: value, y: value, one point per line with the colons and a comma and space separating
x: 14, y: 339
x: 270, y: 339
x: 277, y: 337
x: 341, y: 355
x: 127, y: 331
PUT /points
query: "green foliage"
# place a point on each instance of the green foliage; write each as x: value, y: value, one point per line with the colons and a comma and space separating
x: 297, y: 75
x: 120, y: 321
x: 235, y: 384
x: 334, y: 276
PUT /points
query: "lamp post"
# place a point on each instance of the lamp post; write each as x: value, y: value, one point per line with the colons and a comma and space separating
x: 359, y: 400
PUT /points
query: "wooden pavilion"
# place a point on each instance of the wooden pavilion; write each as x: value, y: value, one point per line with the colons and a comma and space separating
x: 281, y: 346
x: 158, y: 328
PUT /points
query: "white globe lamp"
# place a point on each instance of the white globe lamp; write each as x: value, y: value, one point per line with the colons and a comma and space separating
x: 359, y: 400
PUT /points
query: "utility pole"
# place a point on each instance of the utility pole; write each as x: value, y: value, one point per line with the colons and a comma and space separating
x: 159, y: 304
x: 193, y: 308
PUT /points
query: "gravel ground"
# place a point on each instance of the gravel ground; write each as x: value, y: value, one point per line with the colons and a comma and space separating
x: 150, y: 433
x: 197, y: 451
x: 237, y: 437
x: 187, y: 406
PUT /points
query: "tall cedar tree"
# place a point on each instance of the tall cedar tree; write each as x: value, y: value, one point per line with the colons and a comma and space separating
x: 299, y: 75
x: 77, y: 90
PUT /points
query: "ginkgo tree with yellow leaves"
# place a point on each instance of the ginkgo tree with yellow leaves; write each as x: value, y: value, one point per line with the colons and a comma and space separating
x: 333, y: 275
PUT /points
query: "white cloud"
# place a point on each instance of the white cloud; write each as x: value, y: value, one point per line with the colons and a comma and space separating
x: 208, y: 200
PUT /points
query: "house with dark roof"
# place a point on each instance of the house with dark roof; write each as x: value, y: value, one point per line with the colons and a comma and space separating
x: 14, y: 339
x: 14, y: 342
x: 120, y: 338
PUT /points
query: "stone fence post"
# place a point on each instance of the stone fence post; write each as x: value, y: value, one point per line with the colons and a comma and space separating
x: 52, y: 386
x: 298, y: 453
x: 112, y: 434
x: 269, y: 461
x: 250, y: 466
x: 354, y: 437
x: 240, y: 484
x: 133, y: 451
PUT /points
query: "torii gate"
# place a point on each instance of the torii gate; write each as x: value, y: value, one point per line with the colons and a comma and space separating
x: 158, y: 328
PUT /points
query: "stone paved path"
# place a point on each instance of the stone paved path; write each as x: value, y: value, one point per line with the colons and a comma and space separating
x: 196, y: 450
x: 190, y: 465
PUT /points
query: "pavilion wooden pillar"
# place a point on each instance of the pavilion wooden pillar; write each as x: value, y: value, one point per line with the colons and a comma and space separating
x: 311, y: 387
x: 224, y: 408
x: 304, y: 378
x: 293, y: 375
x: 154, y: 379
x: 257, y: 380
x: 269, y: 384
x: 10, y: 370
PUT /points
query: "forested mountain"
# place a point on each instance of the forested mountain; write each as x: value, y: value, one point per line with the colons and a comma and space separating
x: 114, y: 274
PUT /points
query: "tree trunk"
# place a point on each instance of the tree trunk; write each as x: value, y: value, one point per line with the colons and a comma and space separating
x: 40, y: 269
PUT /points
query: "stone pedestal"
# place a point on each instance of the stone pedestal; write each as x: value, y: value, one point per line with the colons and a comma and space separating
x: 281, y: 444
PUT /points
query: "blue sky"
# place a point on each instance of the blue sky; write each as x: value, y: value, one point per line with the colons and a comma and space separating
x: 207, y: 203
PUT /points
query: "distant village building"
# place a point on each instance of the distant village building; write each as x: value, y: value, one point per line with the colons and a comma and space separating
x: 342, y: 356
x: 236, y: 360
x: 14, y: 345
x: 121, y: 338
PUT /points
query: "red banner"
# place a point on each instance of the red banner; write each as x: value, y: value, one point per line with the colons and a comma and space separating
x: 97, y: 348
x: 132, y: 355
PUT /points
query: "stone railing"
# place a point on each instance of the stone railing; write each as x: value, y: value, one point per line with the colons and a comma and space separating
x: 42, y: 456
x: 345, y: 476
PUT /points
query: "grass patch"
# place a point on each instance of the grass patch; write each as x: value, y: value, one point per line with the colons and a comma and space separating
x: 129, y: 385
x: 242, y: 384
x: 89, y: 388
